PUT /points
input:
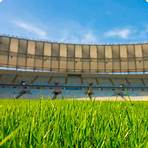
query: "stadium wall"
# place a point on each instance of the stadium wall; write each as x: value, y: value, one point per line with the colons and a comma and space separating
x: 113, y: 69
x: 72, y: 58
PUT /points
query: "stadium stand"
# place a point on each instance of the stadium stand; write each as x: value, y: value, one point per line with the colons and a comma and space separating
x: 30, y: 69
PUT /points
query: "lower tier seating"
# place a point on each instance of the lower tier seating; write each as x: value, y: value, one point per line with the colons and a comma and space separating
x: 72, y: 86
x: 13, y: 92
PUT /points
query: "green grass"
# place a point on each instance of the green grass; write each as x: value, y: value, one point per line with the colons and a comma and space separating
x: 45, y: 123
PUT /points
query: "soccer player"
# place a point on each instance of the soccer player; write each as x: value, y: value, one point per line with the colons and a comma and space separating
x: 23, y: 91
x: 120, y: 93
x: 90, y: 91
x: 57, y: 90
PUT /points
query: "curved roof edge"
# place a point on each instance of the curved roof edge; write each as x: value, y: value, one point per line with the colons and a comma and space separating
x: 50, y: 41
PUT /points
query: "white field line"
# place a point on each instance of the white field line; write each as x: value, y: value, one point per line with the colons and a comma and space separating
x: 115, y: 98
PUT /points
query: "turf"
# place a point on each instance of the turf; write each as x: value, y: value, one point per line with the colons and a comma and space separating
x: 45, y: 123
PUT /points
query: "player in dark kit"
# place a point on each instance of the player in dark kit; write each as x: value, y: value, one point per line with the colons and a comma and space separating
x: 57, y: 91
x: 23, y: 91
x: 120, y: 92
x: 90, y: 91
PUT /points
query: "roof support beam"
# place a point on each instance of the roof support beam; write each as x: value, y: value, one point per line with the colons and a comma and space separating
x: 97, y: 81
x: 66, y: 79
x: 1, y: 76
x: 49, y: 80
x: 15, y: 78
x: 143, y: 82
x: 34, y: 79
x: 127, y: 81
x: 81, y: 78
x: 111, y: 81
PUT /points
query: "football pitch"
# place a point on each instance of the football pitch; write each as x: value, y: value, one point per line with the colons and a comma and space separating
x: 72, y: 123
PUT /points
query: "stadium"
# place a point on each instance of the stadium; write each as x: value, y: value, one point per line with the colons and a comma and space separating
x: 73, y: 74
x: 31, y: 68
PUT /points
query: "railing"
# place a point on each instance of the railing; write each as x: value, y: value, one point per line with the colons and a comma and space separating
x: 72, y: 86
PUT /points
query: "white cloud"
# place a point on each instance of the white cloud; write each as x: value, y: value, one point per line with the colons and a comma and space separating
x: 79, y: 37
x: 89, y: 37
x: 123, y: 33
x: 73, y: 32
x: 69, y: 31
x: 1, y: 1
x: 31, y: 28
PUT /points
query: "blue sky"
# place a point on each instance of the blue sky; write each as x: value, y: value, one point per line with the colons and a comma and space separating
x: 76, y: 21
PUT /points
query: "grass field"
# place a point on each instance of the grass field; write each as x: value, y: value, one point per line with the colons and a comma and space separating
x: 89, y: 124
